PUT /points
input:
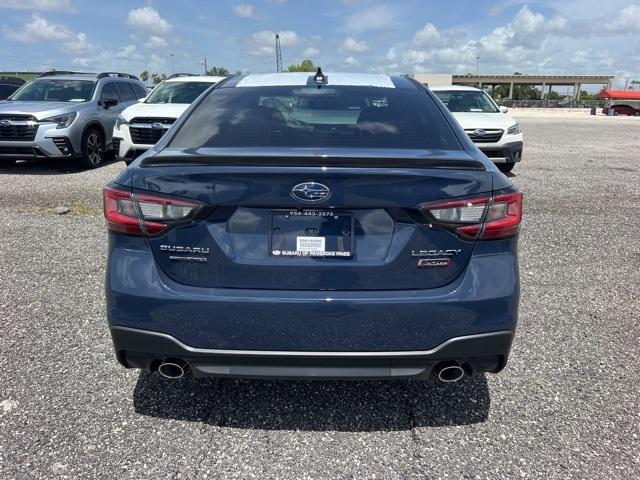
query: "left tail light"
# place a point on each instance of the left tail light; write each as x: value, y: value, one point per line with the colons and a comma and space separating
x: 145, y: 214
x: 482, y: 218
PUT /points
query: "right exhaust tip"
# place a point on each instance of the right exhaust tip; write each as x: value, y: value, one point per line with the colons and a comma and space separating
x: 450, y: 373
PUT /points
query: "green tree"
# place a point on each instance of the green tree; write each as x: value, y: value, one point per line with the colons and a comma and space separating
x: 305, y: 66
x: 218, y: 72
x: 156, y: 78
x: 144, y: 76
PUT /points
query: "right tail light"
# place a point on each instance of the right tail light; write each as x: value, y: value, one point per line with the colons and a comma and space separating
x: 481, y: 218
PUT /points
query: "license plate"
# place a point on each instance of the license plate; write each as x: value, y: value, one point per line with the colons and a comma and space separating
x: 311, y: 233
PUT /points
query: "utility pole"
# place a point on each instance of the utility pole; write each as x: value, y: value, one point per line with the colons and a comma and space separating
x: 477, y: 65
x: 173, y: 66
x: 205, y: 65
x: 278, y: 55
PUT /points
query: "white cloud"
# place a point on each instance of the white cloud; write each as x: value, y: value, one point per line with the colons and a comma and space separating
x: 351, y: 61
x: 147, y: 19
x: 427, y: 36
x: 626, y: 21
x: 263, y: 43
x: 39, y: 5
x: 373, y: 18
x: 244, y: 10
x: 350, y: 44
x: 155, y: 42
x: 39, y: 29
x: 80, y: 44
x: 311, y: 52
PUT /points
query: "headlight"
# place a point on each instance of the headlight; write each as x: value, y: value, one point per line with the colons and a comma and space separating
x: 120, y: 121
x: 63, y: 121
x: 514, y: 129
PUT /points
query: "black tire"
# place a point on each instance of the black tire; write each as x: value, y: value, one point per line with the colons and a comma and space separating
x: 6, y: 162
x: 505, y: 167
x: 93, y: 152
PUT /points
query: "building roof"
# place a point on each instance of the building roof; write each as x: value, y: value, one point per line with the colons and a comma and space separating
x: 619, y: 94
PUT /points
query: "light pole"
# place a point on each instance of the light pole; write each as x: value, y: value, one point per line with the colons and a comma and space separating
x: 173, y: 67
x: 477, y: 64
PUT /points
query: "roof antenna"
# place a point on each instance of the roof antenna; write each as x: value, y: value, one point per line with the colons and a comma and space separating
x: 320, y: 78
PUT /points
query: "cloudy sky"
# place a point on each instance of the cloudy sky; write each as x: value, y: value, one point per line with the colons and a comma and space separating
x: 401, y: 36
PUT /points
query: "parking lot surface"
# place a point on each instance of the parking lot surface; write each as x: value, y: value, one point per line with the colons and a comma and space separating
x: 567, y: 405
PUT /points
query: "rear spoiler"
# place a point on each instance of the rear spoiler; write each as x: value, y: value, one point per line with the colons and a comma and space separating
x: 314, y: 161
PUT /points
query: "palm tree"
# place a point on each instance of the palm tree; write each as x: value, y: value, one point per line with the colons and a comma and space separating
x: 144, y: 76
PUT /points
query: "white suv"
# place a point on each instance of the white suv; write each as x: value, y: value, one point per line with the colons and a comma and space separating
x: 141, y: 125
x: 491, y: 129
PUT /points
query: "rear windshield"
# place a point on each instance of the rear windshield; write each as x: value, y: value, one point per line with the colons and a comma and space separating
x: 287, y: 116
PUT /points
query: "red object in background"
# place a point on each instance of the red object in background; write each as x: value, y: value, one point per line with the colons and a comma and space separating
x: 619, y: 94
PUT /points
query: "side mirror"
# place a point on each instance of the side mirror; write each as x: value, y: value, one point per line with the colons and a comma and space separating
x: 109, y: 102
x: 504, y: 109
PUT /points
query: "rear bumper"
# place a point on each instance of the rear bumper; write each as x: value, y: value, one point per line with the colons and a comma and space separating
x: 503, y: 153
x: 487, y: 352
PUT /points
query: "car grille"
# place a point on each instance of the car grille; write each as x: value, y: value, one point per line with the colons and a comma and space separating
x: 147, y: 135
x: 116, y: 145
x: 21, y: 128
x: 489, y: 136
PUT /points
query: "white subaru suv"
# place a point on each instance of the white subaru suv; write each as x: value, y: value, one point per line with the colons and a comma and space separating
x: 140, y: 126
x: 494, y: 132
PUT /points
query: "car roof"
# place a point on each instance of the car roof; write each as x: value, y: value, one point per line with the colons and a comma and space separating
x: 303, y: 78
x: 450, y: 88
x: 196, y: 78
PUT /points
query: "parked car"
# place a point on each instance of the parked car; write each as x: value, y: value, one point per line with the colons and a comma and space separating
x: 327, y: 226
x: 8, y: 85
x: 622, y: 109
x: 493, y: 131
x: 65, y: 115
x: 141, y: 125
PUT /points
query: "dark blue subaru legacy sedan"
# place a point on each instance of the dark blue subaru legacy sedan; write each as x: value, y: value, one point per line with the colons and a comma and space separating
x: 313, y: 226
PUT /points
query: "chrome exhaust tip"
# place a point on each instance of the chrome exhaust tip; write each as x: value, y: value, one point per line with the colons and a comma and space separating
x: 172, y: 369
x: 450, y: 373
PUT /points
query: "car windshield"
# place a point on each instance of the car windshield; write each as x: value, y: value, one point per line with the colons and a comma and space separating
x: 51, y: 90
x: 178, y: 92
x: 312, y: 117
x: 6, y: 90
x: 466, y: 101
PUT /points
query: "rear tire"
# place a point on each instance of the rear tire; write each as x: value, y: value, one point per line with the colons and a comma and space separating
x: 505, y: 167
x: 93, y: 153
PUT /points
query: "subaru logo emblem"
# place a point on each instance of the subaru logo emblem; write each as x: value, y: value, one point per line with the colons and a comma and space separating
x: 479, y: 132
x: 156, y: 126
x: 311, y: 192
x: 5, y: 123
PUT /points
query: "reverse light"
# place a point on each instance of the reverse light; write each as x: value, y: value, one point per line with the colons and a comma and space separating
x: 483, y: 218
x: 63, y: 121
x: 514, y: 129
x: 145, y: 214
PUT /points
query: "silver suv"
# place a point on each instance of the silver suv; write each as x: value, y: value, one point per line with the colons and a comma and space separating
x: 65, y: 115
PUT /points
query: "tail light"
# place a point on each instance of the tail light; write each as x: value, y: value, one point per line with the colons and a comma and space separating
x: 145, y: 214
x: 484, y: 218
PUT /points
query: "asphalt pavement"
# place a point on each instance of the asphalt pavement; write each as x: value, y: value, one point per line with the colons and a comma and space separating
x: 566, y: 407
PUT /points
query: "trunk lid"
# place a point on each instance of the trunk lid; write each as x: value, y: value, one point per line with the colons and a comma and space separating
x: 370, y: 221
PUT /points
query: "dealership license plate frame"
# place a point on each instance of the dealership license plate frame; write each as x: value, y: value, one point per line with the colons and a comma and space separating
x: 323, y: 215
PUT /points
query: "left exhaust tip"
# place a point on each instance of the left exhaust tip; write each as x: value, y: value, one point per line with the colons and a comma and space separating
x: 172, y: 369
